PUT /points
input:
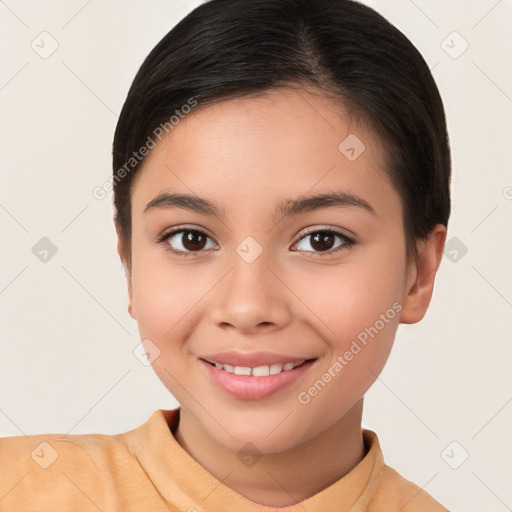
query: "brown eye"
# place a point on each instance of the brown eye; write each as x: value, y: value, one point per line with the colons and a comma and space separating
x: 193, y: 240
x: 186, y: 240
x: 324, y: 241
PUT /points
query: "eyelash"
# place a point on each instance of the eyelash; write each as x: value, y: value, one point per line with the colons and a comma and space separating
x: 347, y: 242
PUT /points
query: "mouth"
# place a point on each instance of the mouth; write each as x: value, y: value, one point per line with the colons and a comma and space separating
x: 258, y: 371
x: 255, y: 382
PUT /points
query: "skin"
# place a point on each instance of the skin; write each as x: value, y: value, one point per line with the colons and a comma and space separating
x: 246, y: 155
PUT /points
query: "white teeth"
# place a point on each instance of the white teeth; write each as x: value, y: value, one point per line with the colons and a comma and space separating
x: 276, y: 368
x: 258, y: 371
x: 242, y: 370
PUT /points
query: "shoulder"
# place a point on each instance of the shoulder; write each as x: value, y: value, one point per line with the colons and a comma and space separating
x: 46, y: 451
x: 37, y: 468
x: 396, y: 492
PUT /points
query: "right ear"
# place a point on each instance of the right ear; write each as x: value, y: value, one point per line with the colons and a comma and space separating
x: 121, y: 250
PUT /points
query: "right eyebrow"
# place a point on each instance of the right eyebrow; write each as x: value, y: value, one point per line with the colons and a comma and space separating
x: 186, y: 202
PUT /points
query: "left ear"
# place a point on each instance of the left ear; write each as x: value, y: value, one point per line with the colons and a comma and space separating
x: 420, y: 283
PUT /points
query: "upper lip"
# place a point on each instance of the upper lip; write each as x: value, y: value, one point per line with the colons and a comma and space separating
x: 252, y: 359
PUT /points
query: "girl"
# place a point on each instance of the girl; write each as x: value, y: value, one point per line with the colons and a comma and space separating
x: 281, y: 189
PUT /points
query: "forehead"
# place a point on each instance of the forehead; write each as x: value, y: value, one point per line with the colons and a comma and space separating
x: 259, y: 150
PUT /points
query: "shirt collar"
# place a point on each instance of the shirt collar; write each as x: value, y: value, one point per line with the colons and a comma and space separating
x: 185, y: 484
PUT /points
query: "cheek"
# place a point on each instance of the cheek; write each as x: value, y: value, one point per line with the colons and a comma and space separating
x: 347, y: 298
x: 168, y: 298
x: 356, y: 309
x: 161, y: 293
x: 359, y: 305
x: 163, y: 301
x: 364, y: 327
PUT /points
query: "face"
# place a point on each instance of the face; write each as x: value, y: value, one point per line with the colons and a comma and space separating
x: 248, y: 277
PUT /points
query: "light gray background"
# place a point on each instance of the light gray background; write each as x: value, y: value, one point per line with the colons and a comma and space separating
x: 67, y: 341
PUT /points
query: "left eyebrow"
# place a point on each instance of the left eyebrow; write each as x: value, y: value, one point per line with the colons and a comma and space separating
x: 286, y: 208
x: 319, y: 201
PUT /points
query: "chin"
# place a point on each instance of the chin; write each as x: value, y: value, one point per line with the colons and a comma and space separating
x: 269, y: 432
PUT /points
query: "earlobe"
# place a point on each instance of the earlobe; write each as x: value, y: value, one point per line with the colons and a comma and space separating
x: 420, y: 286
x: 130, y: 296
x: 122, y: 256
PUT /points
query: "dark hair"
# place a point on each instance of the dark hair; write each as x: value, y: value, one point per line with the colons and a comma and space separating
x: 232, y: 48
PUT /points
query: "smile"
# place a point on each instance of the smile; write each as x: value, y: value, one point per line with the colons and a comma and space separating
x: 257, y: 371
x: 255, y: 382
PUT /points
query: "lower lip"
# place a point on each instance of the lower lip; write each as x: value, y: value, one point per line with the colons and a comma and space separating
x: 254, y: 388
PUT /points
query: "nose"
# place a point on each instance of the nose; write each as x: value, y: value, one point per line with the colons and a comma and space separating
x: 252, y: 298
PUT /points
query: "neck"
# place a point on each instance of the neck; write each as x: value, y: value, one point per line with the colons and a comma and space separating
x: 284, y: 478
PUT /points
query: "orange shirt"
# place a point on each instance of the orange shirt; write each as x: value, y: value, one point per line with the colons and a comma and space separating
x: 146, y: 470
